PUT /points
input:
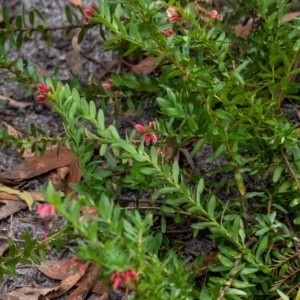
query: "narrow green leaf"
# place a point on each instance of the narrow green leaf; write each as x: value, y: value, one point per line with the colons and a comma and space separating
x: 277, y: 173
x: 6, y: 17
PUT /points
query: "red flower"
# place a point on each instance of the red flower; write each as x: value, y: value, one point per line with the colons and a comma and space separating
x: 173, y: 15
x: 86, y: 20
x: 214, y: 15
x: 149, y: 137
x: 88, y: 12
x: 107, y: 85
x: 43, y: 92
x: 44, y: 88
x: 168, y: 32
x: 80, y: 264
x: 46, y: 209
x: 95, y: 7
x: 124, y: 277
x: 90, y: 211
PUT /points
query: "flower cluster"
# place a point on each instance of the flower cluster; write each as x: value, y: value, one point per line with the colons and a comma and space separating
x: 168, y: 32
x: 43, y: 92
x: 214, y: 15
x: 149, y: 137
x: 120, y: 278
x: 80, y: 264
x: 87, y: 211
x: 173, y: 15
x: 45, y: 210
x: 89, y: 12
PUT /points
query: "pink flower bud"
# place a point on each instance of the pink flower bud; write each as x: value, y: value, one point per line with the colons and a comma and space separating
x: 86, y: 20
x: 117, y: 283
x: 43, y: 88
x: 168, y: 32
x: 95, y: 7
x: 213, y: 14
x: 158, y: 151
x: 151, y: 124
x: 140, y: 128
x: 153, y: 138
x: 107, y: 85
x: 220, y: 17
x: 40, y: 98
x: 88, y: 12
x: 173, y: 14
x: 46, y: 209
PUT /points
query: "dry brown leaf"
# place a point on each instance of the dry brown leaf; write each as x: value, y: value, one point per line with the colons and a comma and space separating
x: 8, y: 297
x: 23, y: 195
x: 35, y: 166
x: 10, y: 208
x: 31, y: 293
x: 145, y: 66
x: 107, y: 68
x: 290, y: 16
x: 73, y: 57
x: 210, y: 259
x: 76, y: 2
x: 90, y: 279
x: 73, y: 176
x: 14, y: 103
x: 3, y: 247
x: 36, y: 196
x: 67, y: 283
x: 243, y: 30
x: 58, y: 270
x: 57, y: 181
x: 11, y: 130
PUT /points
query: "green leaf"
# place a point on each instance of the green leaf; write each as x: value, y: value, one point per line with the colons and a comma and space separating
x: 241, y: 284
x: 133, y: 32
x: 284, y: 186
x: 277, y: 173
x: 222, y: 114
x: 212, y: 203
x: 126, y: 146
x: 68, y: 14
x: 192, y: 124
x: 263, y: 244
x: 31, y: 18
x: 232, y: 291
x: 175, y: 172
x: 225, y: 261
x: 149, y: 171
x: 92, y: 110
x: 6, y: 17
x: 199, y: 190
x: 167, y: 209
x: 297, y: 221
x: 19, y: 22
x: 203, y: 225
x: 283, y: 296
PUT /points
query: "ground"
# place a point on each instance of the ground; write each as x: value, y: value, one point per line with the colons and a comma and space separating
x: 46, y: 60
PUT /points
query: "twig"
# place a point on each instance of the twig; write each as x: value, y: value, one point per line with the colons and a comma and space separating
x: 289, y: 225
x: 94, y: 60
x: 290, y: 169
x: 49, y: 28
x: 251, y: 241
x: 121, y: 111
